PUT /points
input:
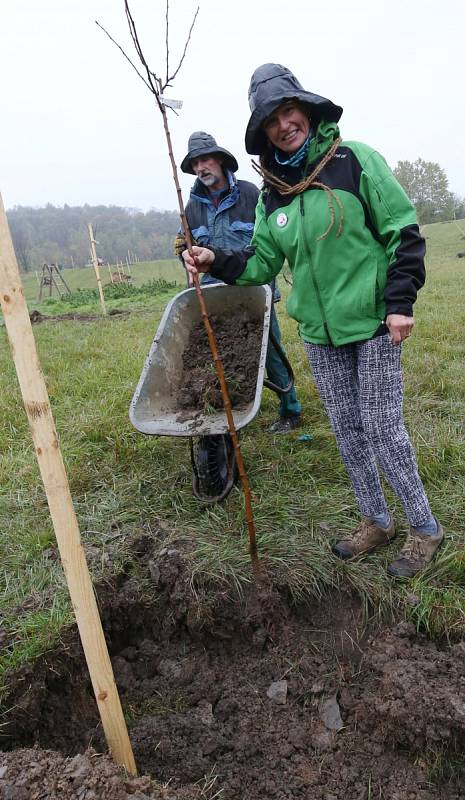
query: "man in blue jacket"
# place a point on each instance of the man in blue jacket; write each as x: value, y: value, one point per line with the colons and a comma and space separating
x: 221, y: 213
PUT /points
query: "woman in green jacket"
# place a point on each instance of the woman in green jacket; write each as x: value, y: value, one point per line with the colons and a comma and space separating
x: 334, y: 210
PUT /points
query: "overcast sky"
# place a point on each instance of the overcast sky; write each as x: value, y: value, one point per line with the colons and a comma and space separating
x: 79, y: 126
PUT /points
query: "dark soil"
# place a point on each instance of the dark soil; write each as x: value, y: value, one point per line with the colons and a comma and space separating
x: 239, y: 340
x: 241, y: 699
x: 36, y: 317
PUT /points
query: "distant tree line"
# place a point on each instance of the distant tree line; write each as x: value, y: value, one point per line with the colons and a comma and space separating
x: 427, y: 186
x: 60, y: 236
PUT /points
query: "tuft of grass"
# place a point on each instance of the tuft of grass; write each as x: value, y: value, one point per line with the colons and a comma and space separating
x: 153, y: 706
x: 446, y: 769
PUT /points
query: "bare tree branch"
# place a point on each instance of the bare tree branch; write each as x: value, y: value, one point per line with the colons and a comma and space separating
x: 124, y: 54
x: 138, y: 49
x: 151, y: 77
x: 153, y: 83
x: 167, y: 46
x: 168, y: 80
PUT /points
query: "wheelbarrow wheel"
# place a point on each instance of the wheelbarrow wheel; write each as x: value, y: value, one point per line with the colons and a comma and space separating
x: 214, y: 468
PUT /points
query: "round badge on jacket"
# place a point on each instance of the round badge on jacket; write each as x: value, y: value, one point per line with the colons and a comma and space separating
x: 281, y: 220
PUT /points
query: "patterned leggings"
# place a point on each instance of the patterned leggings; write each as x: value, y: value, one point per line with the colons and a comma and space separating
x: 361, y: 387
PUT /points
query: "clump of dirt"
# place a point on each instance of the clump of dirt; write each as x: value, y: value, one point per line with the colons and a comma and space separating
x: 36, y: 317
x: 46, y: 775
x: 239, y: 340
x: 420, y: 698
x: 244, y: 698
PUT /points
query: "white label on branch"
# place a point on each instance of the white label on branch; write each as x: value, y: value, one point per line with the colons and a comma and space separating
x: 170, y: 103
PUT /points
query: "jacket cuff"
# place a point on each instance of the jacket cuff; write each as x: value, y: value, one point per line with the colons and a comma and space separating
x: 229, y: 265
x: 404, y: 308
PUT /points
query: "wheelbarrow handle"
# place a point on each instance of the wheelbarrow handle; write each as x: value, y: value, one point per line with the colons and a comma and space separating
x: 269, y: 384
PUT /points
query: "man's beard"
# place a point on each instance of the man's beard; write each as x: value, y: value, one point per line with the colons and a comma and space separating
x: 208, y: 180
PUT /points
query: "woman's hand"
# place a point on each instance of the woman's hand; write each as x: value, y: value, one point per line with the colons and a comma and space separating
x: 203, y: 258
x: 400, y: 327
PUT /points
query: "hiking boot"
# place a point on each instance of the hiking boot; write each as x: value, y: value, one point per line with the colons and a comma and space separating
x: 286, y: 424
x: 419, y: 549
x: 364, y: 539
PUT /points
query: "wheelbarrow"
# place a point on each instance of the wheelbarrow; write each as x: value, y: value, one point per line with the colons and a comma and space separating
x: 155, y: 408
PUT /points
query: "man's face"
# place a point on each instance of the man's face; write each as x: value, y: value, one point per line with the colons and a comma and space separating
x: 287, y: 127
x: 209, y: 170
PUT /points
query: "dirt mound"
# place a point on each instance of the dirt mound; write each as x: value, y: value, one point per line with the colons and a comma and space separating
x: 36, y: 317
x: 246, y: 698
x: 239, y: 340
x: 420, y: 697
x: 45, y: 775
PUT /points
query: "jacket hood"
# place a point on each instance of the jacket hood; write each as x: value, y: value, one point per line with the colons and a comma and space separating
x: 271, y: 85
x: 203, y: 144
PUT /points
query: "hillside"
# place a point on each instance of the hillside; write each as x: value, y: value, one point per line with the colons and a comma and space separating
x: 60, y: 235
x: 444, y: 239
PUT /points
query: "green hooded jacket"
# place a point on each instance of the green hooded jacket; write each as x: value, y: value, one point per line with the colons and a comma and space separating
x: 348, y: 278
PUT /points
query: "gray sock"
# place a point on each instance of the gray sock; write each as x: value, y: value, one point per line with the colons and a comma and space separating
x: 382, y: 520
x: 430, y: 526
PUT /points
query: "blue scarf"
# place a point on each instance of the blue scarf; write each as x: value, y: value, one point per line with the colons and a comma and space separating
x: 296, y: 158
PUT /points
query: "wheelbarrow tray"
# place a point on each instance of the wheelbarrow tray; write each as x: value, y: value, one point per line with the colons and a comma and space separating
x: 155, y: 409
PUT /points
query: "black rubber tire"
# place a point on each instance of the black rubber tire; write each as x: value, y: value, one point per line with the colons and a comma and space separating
x: 215, y: 468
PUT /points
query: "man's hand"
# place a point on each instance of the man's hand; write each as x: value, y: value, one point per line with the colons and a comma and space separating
x: 204, y: 258
x: 400, y: 327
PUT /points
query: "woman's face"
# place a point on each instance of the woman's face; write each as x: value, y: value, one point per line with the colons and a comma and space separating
x: 287, y: 127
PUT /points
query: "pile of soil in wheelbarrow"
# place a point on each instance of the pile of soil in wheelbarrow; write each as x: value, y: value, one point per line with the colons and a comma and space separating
x: 249, y: 698
x: 239, y: 340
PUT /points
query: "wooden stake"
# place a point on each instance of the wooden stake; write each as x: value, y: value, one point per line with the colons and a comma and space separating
x: 96, y: 267
x: 37, y: 404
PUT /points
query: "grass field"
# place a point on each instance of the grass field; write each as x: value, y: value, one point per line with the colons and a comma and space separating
x: 84, y: 278
x: 121, y: 479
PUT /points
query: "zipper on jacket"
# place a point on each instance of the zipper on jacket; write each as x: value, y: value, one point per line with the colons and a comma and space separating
x: 312, y: 274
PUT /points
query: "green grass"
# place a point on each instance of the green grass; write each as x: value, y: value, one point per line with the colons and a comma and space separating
x: 121, y: 480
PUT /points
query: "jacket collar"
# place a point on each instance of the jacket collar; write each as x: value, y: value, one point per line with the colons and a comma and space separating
x: 326, y: 133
